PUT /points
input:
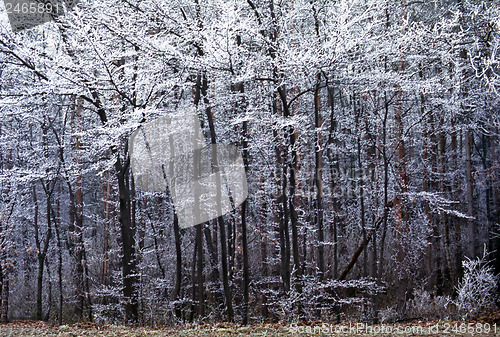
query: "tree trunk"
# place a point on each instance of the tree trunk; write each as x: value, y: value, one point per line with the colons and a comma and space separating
x: 318, y: 178
x: 76, y: 212
x: 199, y: 271
x: 4, y: 219
x: 220, y: 219
x: 194, y: 277
x: 359, y: 113
x: 129, y: 262
x: 334, y: 171
x: 178, y: 265
x: 470, y: 193
x: 444, y: 235
x: 57, y: 223
x: 244, y: 207
x: 107, y: 216
x: 386, y: 185
x: 400, y: 207
x: 495, y: 185
x: 293, y: 165
x: 283, y: 233
x: 263, y: 252
x: 456, y: 190
x: 42, y: 248
x: 426, y: 186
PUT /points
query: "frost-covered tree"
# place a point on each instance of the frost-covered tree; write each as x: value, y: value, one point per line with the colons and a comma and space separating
x: 369, y: 131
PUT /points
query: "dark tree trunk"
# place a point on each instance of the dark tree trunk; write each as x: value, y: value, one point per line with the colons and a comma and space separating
x: 214, y: 273
x: 129, y: 263
x: 445, y: 235
x: 400, y: 206
x: 76, y: 213
x: 178, y: 265
x: 386, y: 184
x: 334, y: 171
x: 283, y: 232
x: 426, y: 186
x: 456, y: 190
x: 263, y: 252
x: 220, y: 219
x: 194, y: 276
x: 244, y: 206
x: 293, y: 166
x: 495, y: 185
x: 57, y: 224
x: 360, y: 177
x: 199, y: 271
x: 470, y: 193
x: 318, y: 177
x: 42, y: 247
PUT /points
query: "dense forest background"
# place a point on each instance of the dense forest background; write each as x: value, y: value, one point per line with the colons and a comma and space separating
x: 369, y: 131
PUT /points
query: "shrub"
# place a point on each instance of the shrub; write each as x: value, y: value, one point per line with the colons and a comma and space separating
x: 477, y: 289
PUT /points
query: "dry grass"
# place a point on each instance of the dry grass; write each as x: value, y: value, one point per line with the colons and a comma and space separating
x: 30, y: 328
x: 33, y: 328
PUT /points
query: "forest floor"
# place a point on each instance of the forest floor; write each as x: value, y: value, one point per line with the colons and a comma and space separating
x: 481, y: 327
